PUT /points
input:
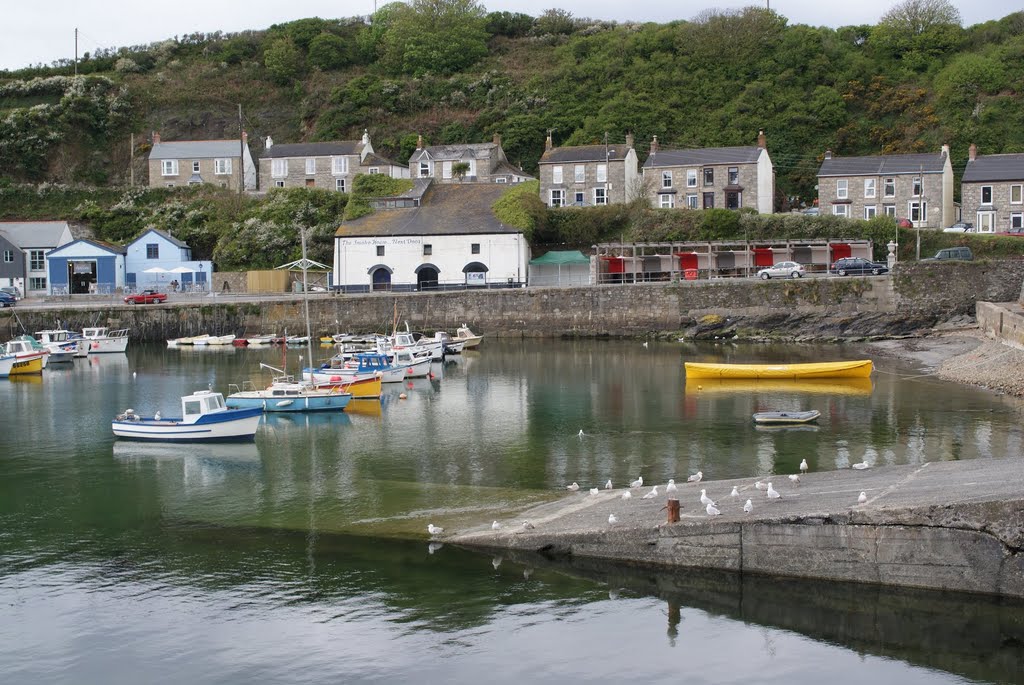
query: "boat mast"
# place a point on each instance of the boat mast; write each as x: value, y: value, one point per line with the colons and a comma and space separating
x: 305, y: 300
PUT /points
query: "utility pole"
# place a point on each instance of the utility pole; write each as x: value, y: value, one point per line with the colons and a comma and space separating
x: 76, y: 52
x: 607, y: 200
x: 241, y: 154
x: 921, y: 206
x: 131, y: 160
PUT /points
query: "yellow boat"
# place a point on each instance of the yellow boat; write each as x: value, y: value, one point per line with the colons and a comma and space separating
x: 821, y: 386
x: 361, y: 389
x: 853, y: 369
x: 12, y: 366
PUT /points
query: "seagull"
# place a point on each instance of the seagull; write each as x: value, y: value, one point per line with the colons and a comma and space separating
x: 761, y: 485
x: 135, y: 374
x: 434, y: 530
x: 612, y: 520
x: 580, y: 435
x: 704, y: 499
x: 638, y: 483
x: 156, y: 416
x: 671, y: 487
x: 594, y: 491
x: 495, y: 526
x: 527, y: 525
x: 803, y: 466
x: 712, y: 509
x: 863, y: 498
x: 772, y: 492
x: 574, y: 487
x: 652, y: 494
x: 645, y: 343
x: 608, y: 485
x: 861, y: 465
x: 735, y: 492
x: 795, y: 478
x: 696, y: 478
x: 748, y: 507
x: 627, y: 495
x: 496, y: 562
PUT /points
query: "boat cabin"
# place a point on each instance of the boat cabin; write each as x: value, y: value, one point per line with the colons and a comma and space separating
x: 103, y: 332
x: 202, y: 402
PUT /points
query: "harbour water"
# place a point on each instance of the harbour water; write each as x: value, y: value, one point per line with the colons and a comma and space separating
x: 304, y: 557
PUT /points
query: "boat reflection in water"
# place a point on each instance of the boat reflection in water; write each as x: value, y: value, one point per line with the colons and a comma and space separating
x: 240, y: 452
x: 820, y: 386
x: 284, y: 420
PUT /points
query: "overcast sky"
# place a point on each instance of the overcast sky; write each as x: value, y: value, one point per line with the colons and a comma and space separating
x: 31, y: 33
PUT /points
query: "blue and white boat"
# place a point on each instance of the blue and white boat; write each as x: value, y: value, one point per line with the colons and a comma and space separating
x: 285, y: 394
x: 205, y: 418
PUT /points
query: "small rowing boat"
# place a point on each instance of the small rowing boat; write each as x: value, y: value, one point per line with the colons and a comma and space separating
x: 780, y: 418
x: 853, y: 369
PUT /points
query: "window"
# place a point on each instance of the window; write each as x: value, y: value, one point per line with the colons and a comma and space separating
x: 871, y: 211
x: 986, y: 222
x: 842, y: 189
x: 380, y: 250
x: 169, y: 167
x: 339, y: 165
x: 691, y: 200
x: 889, y: 210
x: 279, y: 168
x: 869, y: 187
x: 557, y: 198
x: 152, y: 250
x: 667, y: 200
x: 579, y: 173
x: 889, y: 188
x: 918, y: 211
x: 602, y: 173
x: 428, y: 249
x: 339, y: 185
x: 600, y: 196
x: 556, y: 174
x: 310, y: 166
x: 916, y: 190
x: 841, y: 210
x: 709, y: 177
x: 1016, y: 194
x: 37, y: 260
x: 733, y: 200
x: 169, y: 185
x: 501, y: 179
x: 709, y: 200
x: 8, y: 256
x: 580, y: 198
x: 195, y: 167
x: 424, y: 169
x: 986, y: 195
x: 221, y: 166
x: 734, y: 176
x: 474, y: 248
x: 691, y: 178
x: 1016, y: 221
x: 279, y: 184
x: 374, y: 170
x: 37, y: 283
x: 666, y: 179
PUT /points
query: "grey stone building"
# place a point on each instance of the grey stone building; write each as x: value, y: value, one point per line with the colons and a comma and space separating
x: 917, y: 187
x: 992, y: 192
x: 24, y: 246
x: 589, y: 175
x: 330, y: 165
x: 486, y: 163
x: 706, y: 178
x: 192, y: 162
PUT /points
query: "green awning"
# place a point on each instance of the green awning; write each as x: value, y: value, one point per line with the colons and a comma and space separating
x: 561, y: 257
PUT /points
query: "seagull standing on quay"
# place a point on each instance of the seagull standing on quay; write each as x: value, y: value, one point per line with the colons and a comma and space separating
x: 652, y: 494
x: 795, y: 478
x: 803, y: 466
x: 495, y: 526
x: 748, y: 507
x: 861, y: 465
x: 612, y: 519
x: 608, y: 485
x: 863, y: 498
x: 704, y: 499
x: 772, y: 492
x: 735, y: 492
x: 712, y: 510
x: 434, y: 530
x: 574, y: 486
x: 638, y: 483
x: 594, y: 491
x: 671, y: 487
x: 696, y: 478
x: 627, y: 495
x: 761, y: 485
x: 527, y: 525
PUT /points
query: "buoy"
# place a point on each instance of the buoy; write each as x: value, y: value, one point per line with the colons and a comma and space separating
x: 431, y: 375
x: 402, y: 396
x: 409, y: 385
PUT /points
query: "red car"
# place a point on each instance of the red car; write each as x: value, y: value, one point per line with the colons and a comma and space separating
x: 146, y: 297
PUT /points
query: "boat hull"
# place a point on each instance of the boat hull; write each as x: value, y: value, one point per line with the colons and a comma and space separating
x: 230, y: 425
x: 782, y: 418
x: 313, y: 401
x: 851, y: 369
x: 17, y: 366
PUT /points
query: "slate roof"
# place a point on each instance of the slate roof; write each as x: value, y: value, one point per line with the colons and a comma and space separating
x: 325, y: 149
x: 38, y: 234
x: 195, y: 149
x: 881, y: 165
x: 103, y: 245
x: 446, y: 209
x: 702, y: 156
x: 166, y: 236
x: 995, y: 168
x: 373, y: 159
x: 585, y: 153
x: 456, y: 151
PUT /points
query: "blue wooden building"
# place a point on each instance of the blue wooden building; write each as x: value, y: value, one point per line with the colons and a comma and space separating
x: 86, y: 266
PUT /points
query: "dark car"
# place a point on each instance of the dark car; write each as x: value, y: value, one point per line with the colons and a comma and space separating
x: 949, y: 253
x: 7, y: 300
x: 857, y: 266
x: 147, y: 297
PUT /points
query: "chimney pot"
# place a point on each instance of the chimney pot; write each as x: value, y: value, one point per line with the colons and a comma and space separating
x: 497, y: 139
x: 270, y: 142
x: 761, y: 141
x: 366, y: 137
x: 419, y: 142
x: 629, y: 141
x: 156, y: 137
x: 548, y: 144
x: 245, y: 137
x: 828, y: 154
x: 972, y: 152
x: 654, y: 144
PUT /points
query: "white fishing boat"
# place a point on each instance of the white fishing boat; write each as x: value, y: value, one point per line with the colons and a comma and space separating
x: 413, y: 365
x: 262, y: 339
x: 469, y: 339
x: 204, y: 418
x: 101, y: 339
x: 285, y: 394
x: 26, y: 348
x: 220, y: 339
x: 64, y: 339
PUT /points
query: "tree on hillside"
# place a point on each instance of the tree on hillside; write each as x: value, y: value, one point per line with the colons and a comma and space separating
x: 328, y: 51
x: 915, y: 17
x: 283, y: 60
x: 916, y: 31
x: 435, y: 36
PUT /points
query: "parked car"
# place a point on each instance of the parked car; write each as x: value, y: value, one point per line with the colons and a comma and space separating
x: 857, y: 266
x: 146, y: 297
x: 948, y: 253
x: 782, y: 270
x: 903, y: 222
x: 6, y: 299
x: 12, y: 290
x: 1018, y: 232
x: 812, y: 211
x: 960, y: 227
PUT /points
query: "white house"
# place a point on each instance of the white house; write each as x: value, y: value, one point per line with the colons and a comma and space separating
x: 86, y: 266
x: 25, y: 245
x: 156, y: 249
x: 450, y: 238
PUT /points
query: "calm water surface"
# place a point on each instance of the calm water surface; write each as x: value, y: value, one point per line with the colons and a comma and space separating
x: 303, y: 557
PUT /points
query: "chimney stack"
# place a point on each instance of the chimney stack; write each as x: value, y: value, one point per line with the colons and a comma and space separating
x: 629, y: 141
x: 366, y: 137
x: 419, y: 142
x: 761, y: 141
x: 654, y: 145
x: 156, y: 137
x: 945, y: 149
x: 972, y: 153
x: 270, y: 142
x: 548, y: 145
x: 497, y: 139
x: 828, y: 154
x: 245, y: 138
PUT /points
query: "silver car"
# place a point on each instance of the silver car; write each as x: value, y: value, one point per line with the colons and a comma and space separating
x: 782, y: 270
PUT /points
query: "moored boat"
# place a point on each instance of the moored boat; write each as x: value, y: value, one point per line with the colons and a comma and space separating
x: 468, y: 338
x: 101, y: 339
x: 205, y: 418
x: 851, y: 369
x: 12, y: 367
x: 65, y: 340
x: 779, y: 418
x: 284, y: 394
x: 26, y: 348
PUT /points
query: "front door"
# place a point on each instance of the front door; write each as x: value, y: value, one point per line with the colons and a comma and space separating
x: 426, y: 279
x: 81, y: 275
x: 382, y: 279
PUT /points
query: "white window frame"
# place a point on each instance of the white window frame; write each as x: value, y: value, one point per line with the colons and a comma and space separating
x: 446, y: 169
x: 889, y: 210
x: 916, y: 186
x: 889, y: 188
x: 986, y: 222
x: 691, y: 178
x: 579, y: 198
x: 472, y: 168
x: 579, y: 173
x: 693, y: 200
x: 501, y: 179
x: 339, y: 165
x: 666, y: 179
x: 920, y: 208
x: 425, y: 171
x: 870, y: 188
x: 667, y: 200
x: 339, y: 185
x: 561, y: 198
x: 37, y: 257
x: 279, y: 183
x: 982, y: 199
x: 168, y: 167
x: 8, y: 256
x: 1016, y: 194
x: 602, y: 173
x: 1016, y: 220
x: 842, y: 189
x: 310, y: 166
x: 870, y: 212
x: 600, y: 196
x: 37, y: 283
x: 374, y: 170
x: 734, y: 175
x: 222, y: 167
x: 195, y: 166
x: 279, y: 169
x: 556, y: 175
x: 841, y: 210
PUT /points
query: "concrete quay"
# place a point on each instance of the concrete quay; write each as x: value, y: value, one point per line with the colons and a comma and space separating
x: 939, y: 525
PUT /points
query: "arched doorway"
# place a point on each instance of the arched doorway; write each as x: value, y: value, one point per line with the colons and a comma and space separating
x: 427, y: 277
x: 476, y: 274
x: 380, y: 276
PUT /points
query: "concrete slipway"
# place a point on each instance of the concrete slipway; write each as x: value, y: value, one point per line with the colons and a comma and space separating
x: 939, y: 525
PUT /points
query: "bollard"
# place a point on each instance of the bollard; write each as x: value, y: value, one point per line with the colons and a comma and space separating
x: 673, y: 511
